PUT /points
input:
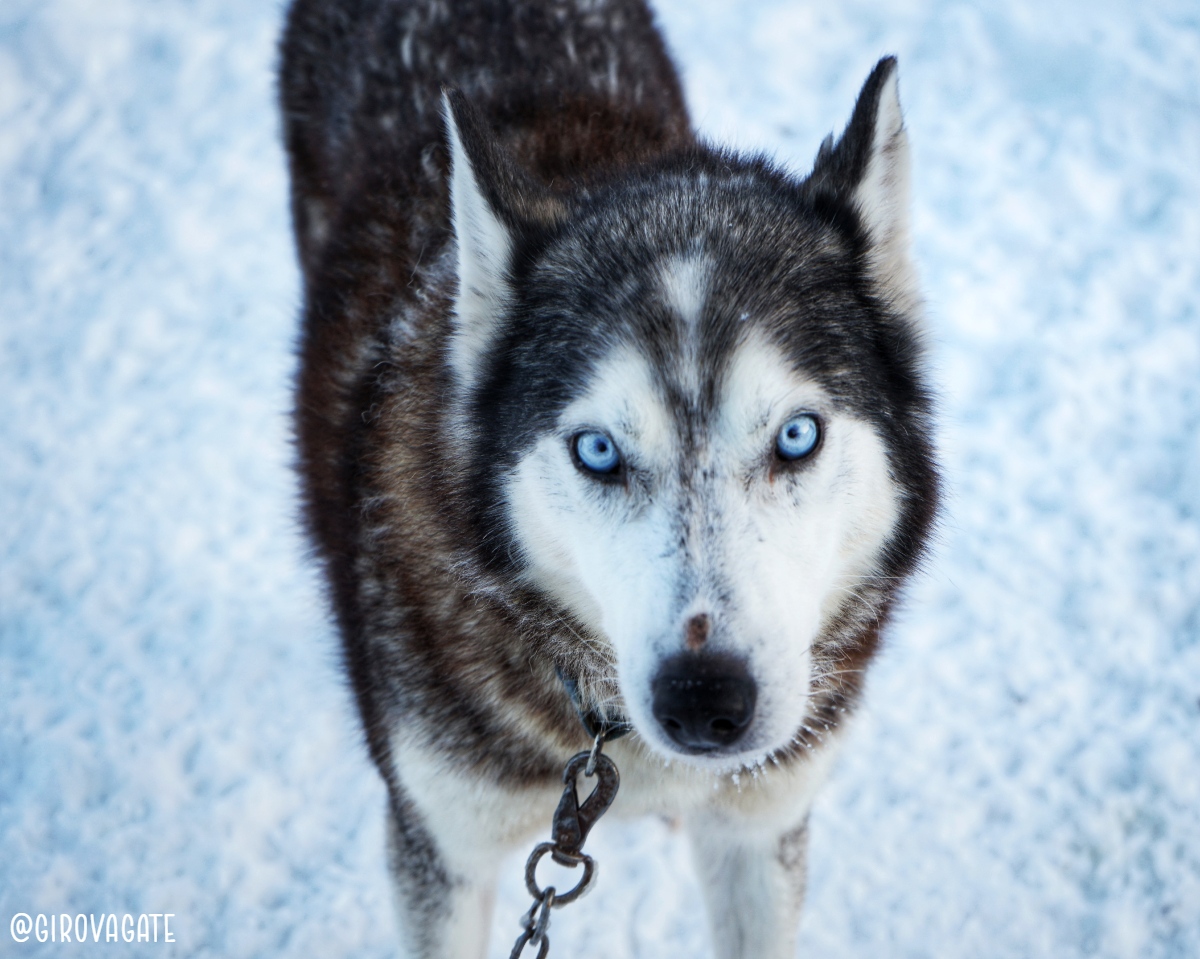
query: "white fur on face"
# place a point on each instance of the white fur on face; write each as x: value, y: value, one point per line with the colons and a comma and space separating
x: 769, y: 553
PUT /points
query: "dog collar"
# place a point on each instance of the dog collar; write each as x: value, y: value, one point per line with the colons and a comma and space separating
x: 594, y: 721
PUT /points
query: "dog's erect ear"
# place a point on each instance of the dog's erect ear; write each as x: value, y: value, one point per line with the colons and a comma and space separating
x: 492, y: 202
x: 869, y: 167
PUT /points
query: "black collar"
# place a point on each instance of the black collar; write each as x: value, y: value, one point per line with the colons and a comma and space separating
x: 595, y: 722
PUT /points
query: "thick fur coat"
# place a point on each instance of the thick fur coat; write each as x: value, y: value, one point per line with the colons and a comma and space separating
x: 512, y: 242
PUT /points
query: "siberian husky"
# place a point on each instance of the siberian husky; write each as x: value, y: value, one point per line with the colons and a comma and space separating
x: 595, y: 418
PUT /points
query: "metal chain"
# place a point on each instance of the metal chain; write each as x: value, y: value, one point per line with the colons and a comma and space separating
x: 572, y: 823
x: 535, y: 923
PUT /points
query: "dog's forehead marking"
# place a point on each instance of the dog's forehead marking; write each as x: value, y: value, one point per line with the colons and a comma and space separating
x: 683, y: 282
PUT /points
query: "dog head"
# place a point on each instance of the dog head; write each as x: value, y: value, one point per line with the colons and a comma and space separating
x: 691, y: 407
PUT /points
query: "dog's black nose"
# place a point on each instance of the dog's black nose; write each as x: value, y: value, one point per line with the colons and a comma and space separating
x: 704, y: 701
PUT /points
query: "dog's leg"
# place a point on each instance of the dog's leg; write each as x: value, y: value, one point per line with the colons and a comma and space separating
x: 444, y: 913
x: 753, y: 885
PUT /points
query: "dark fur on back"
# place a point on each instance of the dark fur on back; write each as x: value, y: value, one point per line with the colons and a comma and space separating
x: 583, y: 96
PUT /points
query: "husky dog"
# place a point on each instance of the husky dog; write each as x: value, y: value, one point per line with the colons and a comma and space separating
x: 594, y: 418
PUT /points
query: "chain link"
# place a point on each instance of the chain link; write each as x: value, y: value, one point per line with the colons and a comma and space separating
x: 572, y: 823
x: 535, y: 923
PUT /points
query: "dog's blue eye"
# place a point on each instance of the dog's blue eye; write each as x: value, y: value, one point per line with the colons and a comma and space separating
x: 597, y: 452
x: 798, y: 437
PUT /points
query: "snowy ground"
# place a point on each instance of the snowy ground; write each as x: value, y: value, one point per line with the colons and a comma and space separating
x: 174, y: 733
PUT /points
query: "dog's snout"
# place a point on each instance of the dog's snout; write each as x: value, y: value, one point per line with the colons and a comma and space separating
x: 704, y: 702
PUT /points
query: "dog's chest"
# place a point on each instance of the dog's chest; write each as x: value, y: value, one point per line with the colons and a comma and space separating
x: 476, y: 820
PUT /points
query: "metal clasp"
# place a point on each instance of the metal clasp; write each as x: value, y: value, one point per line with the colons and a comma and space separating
x: 573, y: 820
x: 572, y: 823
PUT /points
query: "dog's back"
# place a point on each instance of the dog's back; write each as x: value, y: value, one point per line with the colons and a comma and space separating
x: 574, y: 88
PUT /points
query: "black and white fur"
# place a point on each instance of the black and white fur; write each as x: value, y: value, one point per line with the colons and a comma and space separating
x: 510, y: 235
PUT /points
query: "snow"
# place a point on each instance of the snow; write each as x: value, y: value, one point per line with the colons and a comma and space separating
x: 175, y: 734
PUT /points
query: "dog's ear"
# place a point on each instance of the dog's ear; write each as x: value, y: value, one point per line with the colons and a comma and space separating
x: 493, y: 203
x: 869, y: 168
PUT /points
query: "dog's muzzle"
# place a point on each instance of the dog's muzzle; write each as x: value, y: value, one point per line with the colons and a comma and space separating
x: 704, y: 701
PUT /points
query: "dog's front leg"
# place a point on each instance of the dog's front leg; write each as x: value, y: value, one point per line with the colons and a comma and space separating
x: 753, y: 885
x: 444, y: 912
